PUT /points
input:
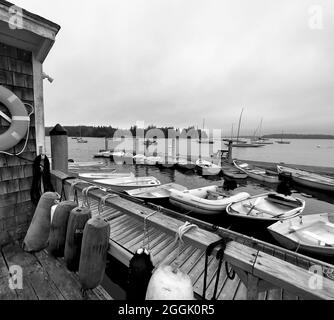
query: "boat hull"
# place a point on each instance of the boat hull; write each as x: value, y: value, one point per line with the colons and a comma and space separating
x: 292, y: 240
x: 131, y: 183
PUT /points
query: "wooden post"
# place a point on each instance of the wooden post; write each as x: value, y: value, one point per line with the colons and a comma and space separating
x: 252, y: 287
x: 106, y: 144
x: 230, y: 152
x: 59, y: 148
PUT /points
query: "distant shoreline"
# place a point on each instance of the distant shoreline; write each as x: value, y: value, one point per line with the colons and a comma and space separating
x: 104, y: 131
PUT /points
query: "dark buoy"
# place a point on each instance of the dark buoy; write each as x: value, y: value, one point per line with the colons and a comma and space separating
x: 38, y: 232
x: 139, y: 275
x: 59, y: 221
x: 76, y: 224
x: 93, y: 256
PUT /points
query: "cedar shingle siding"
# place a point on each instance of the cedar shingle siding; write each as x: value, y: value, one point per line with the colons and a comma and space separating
x: 16, y: 209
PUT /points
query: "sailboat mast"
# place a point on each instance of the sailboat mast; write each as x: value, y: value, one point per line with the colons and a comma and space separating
x: 240, y: 125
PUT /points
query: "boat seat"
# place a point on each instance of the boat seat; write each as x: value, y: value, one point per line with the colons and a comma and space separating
x: 323, y: 241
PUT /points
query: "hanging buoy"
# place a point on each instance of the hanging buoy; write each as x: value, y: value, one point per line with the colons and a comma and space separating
x: 19, y: 119
x: 76, y: 224
x: 139, y: 275
x: 93, y: 256
x: 59, y: 219
x: 38, y: 232
x: 168, y: 284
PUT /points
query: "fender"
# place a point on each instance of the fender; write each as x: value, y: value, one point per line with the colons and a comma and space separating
x: 20, y: 120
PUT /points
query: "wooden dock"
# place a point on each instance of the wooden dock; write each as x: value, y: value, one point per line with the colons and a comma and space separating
x: 264, y: 271
x: 44, y: 278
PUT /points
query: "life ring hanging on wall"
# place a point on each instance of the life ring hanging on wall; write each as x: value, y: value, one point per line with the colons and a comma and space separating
x: 19, y: 120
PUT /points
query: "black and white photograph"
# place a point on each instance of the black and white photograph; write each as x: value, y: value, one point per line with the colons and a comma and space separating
x: 166, y: 150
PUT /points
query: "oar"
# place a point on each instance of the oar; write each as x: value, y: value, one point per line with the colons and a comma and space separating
x: 252, y: 207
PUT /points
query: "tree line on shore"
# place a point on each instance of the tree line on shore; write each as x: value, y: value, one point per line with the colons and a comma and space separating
x: 109, y: 131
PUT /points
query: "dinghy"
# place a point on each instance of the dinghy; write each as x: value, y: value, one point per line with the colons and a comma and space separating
x: 78, y: 165
x: 152, y: 161
x: 128, y: 183
x: 207, y: 168
x: 308, y: 179
x: 107, y: 175
x: 184, y: 164
x: 267, y: 208
x: 139, y: 159
x: 231, y: 171
x: 204, y: 200
x: 155, y: 193
x: 257, y: 173
x: 311, y: 234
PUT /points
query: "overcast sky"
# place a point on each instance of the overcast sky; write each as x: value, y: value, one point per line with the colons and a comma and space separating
x: 175, y: 62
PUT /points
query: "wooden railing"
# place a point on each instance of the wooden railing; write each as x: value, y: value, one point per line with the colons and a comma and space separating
x: 252, y: 260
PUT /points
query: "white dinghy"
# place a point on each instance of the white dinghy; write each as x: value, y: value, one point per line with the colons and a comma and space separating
x: 106, y: 175
x: 311, y: 233
x: 155, y: 193
x: 204, y: 200
x: 207, y: 168
x: 129, y: 183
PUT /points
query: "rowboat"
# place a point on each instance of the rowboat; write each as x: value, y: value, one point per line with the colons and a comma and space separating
x: 246, y: 145
x: 184, y: 164
x: 128, y: 183
x: 103, y: 154
x: 204, y: 200
x: 257, y: 173
x: 107, y: 175
x: 77, y: 165
x: 231, y: 171
x: 308, y: 179
x: 312, y: 234
x: 155, y: 193
x: 207, y: 168
x: 139, y: 159
x: 267, y: 208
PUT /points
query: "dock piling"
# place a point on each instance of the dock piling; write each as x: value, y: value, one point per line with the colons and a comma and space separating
x: 59, y: 148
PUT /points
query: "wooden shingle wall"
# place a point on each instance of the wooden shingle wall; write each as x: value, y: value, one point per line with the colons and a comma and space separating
x: 16, y: 209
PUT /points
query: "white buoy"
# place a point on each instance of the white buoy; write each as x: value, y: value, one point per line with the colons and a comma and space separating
x: 165, y: 284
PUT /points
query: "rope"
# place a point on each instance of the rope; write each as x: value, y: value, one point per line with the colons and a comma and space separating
x: 230, y: 273
x: 179, y: 240
x: 62, y: 193
x: 146, y: 233
x: 75, y: 193
x: 103, y: 200
x: 85, y: 192
x: 220, y: 255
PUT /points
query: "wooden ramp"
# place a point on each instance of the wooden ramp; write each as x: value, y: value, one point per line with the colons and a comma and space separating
x: 44, y: 278
x: 127, y: 235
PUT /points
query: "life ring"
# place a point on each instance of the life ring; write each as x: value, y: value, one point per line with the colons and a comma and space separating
x: 20, y: 120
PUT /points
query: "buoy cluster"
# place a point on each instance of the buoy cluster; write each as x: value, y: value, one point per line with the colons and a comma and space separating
x: 67, y: 230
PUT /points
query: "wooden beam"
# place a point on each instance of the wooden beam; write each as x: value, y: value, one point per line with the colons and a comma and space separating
x: 39, y: 106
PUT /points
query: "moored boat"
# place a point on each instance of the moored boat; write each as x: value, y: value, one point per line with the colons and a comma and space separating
x: 231, y: 171
x: 128, y: 183
x: 155, y: 193
x: 257, y: 173
x: 308, y: 179
x: 207, y: 168
x: 152, y: 161
x: 106, y: 175
x: 206, y: 200
x: 267, y: 208
x: 184, y: 164
x: 139, y: 159
x: 311, y: 234
x: 167, y: 163
x: 78, y: 165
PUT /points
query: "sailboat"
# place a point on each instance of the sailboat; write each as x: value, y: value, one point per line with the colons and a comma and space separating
x: 202, y: 141
x: 282, y: 141
x: 260, y: 139
x: 242, y: 144
x: 80, y: 139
